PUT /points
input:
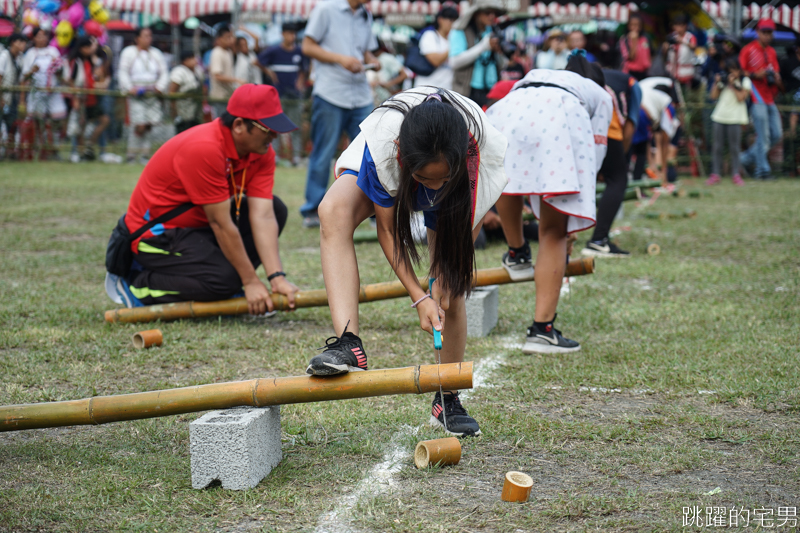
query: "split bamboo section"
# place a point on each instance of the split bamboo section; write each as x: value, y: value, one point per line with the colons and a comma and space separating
x: 441, y: 452
x: 261, y: 392
x: 516, y: 487
x: 313, y: 298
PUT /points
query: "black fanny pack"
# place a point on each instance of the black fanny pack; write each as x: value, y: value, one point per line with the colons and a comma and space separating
x: 119, y: 256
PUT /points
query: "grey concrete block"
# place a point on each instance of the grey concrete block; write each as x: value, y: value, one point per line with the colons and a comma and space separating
x: 239, y: 447
x: 482, y: 310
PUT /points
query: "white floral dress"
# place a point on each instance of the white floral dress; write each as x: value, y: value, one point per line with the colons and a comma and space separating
x: 557, y: 141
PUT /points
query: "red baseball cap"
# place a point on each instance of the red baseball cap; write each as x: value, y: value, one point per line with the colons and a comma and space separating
x: 262, y: 104
x: 765, y: 24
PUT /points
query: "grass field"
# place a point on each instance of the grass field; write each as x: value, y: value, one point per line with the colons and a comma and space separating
x: 687, y: 381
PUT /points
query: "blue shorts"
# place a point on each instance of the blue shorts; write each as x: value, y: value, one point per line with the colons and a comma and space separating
x: 643, y: 129
x: 372, y: 187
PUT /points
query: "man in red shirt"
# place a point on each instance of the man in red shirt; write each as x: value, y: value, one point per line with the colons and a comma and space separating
x: 760, y: 62
x: 223, y: 172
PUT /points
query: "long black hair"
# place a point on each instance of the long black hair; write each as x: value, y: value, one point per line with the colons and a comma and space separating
x: 438, y: 129
x: 578, y: 64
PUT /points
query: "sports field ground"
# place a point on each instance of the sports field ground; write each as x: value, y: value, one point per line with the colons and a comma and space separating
x: 685, y: 397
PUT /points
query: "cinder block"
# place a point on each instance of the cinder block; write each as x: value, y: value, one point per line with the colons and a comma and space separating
x: 482, y: 310
x: 239, y: 447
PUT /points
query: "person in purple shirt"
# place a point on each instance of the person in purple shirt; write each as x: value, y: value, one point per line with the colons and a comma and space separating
x: 286, y: 67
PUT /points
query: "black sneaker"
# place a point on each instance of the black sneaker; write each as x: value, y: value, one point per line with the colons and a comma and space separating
x: 548, y: 340
x: 604, y: 248
x: 518, y: 263
x: 459, y: 423
x: 342, y: 355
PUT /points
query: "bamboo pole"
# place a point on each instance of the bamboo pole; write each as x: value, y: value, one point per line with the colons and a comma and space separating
x: 313, y: 298
x: 261, y: 392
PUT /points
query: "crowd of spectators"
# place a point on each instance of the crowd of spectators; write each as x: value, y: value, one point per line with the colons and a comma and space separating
x: 341, y: 71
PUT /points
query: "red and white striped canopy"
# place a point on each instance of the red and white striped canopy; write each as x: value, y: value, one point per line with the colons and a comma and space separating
x: 612, y: 11
x: 780, y: 14
x: 177, y: 11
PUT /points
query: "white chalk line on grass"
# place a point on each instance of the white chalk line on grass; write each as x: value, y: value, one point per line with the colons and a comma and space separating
x: 380, y: 478
x: 636, y: 392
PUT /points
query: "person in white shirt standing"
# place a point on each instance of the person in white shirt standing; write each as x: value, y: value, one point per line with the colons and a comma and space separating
x: 187, y: 78
x: 247, y: 67
x: 144, y: 74
x: 222, y: 80
x: 731, y: 89
x: 433, y: 44
x: 40, y: 66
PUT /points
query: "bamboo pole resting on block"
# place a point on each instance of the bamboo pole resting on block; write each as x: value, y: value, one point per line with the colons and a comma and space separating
x: 442, y: 452
x: 314, y: 298
x: 255, y: 392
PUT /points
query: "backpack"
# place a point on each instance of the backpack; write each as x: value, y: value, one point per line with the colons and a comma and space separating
x: 415, y: 61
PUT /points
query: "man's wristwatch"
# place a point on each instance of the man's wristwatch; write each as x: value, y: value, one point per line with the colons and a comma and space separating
x: 275, y: 275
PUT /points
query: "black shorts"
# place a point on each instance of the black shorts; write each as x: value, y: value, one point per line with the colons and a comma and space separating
x: 94, y: 112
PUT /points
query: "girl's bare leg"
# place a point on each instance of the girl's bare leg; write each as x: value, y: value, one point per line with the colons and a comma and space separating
x: 510, y: 210
x: 454, y: 336
x: 551, y: 261
x: 344, y: 207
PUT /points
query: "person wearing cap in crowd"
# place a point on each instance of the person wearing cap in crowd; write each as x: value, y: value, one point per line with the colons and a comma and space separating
x: 223, y: 172
x: 340, y: 42
x: 555, y: 53
x: 187, y: 78
x: 475, y: 53
x: 286, y: 67
x: 760, y: 63
x: 435, y: 46
x: 143, y: 73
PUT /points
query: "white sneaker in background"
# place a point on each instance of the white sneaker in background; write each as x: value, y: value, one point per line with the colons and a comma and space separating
x: 111, y: 158
x: 74, y: 158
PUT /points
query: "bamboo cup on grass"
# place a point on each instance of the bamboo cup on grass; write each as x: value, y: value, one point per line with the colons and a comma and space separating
x: 146, y: 339
x: 517, y: 487
x: 442, y: 452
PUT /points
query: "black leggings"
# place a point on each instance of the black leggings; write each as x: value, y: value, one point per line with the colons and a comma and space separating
x: 615, y: 174
x: 640, y: 151
x: 191, y: 265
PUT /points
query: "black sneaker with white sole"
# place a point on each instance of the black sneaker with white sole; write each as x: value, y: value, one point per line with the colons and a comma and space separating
x: 459, y: 423
x: 517, y: 262
x: 604, y: 248
x: 342, y: 355
x: 548, y: 340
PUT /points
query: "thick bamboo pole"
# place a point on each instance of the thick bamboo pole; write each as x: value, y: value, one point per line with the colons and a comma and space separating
x: 314, y: 298
x: 255, y: 392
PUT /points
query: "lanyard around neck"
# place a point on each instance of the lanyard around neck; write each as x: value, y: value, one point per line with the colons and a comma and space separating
x: 237, y: 198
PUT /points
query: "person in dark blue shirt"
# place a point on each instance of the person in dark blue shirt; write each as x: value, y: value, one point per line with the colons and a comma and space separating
x: 286, y: 67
